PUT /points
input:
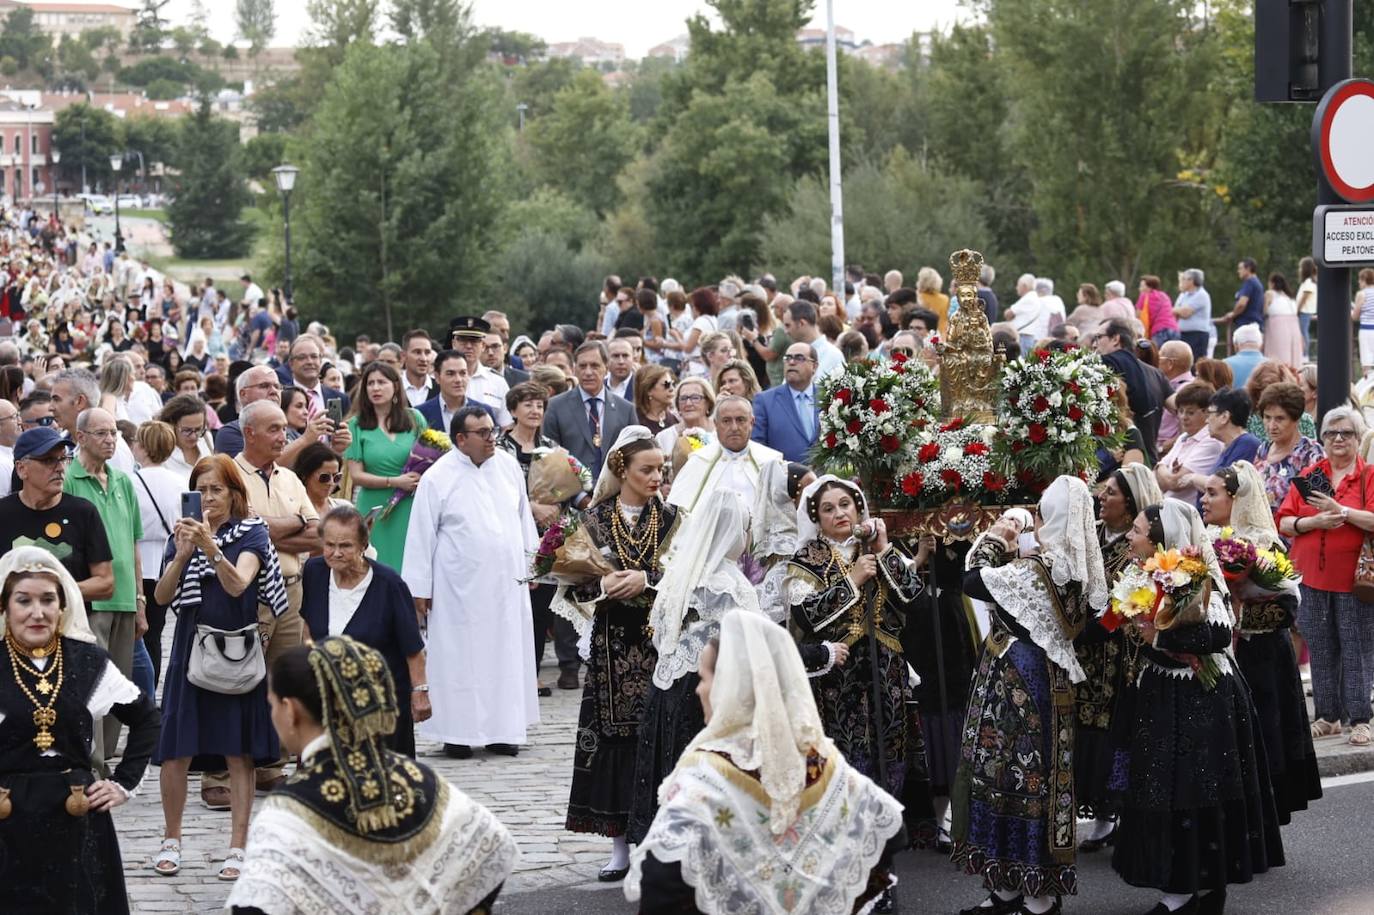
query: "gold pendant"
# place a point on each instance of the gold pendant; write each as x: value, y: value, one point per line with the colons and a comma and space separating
x: 43, y: 740
x: 44, y: 687
x: 596, y: 440
x: 39, y: 653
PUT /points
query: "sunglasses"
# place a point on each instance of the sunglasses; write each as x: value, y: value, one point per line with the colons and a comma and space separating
x: 329, y: 478
x: 40, y: 421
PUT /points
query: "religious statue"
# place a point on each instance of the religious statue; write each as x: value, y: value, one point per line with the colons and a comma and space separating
x: 969, y: 367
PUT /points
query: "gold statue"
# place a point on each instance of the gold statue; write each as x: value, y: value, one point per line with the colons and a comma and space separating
x: 969, y: 368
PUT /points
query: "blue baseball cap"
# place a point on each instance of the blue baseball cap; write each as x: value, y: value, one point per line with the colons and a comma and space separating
x: 38, y: 442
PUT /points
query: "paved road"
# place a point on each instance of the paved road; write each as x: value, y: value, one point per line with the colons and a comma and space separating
x: 1327, y: 874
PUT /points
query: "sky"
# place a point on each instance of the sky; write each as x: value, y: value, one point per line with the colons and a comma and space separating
x: 637, y: 24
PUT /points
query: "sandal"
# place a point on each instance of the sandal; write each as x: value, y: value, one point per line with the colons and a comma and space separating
x: 1360, y: 735
x: 232, y: 866
x: 1323, y: 728
x: 168, y: 860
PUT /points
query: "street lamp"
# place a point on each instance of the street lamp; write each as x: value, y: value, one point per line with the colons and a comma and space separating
x: 56, y: 158
x: 285, y: 176
x: 520, y: 110
x: 115, y: 162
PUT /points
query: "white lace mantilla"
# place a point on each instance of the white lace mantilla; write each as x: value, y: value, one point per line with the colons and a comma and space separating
x: 708, y: 608
x: 289, y: 867
x: 1021, y: 593
x: 718, y: 832
x: 772, y: 593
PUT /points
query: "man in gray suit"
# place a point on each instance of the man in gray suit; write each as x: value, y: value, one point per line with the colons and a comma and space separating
x: 586, y: 421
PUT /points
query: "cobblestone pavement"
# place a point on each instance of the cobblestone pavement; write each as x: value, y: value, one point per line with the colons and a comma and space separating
x: 528, y: 793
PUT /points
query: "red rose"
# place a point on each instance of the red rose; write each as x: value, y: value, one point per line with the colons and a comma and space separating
x: 929, y: 452
x: 878, y: 405
x: 975, y: 448
x: 1076, y: 388
x: 954, y: 425
x: 951, y: 478
x: 1099, y: 428
x: 899, y: 358
x: 1042, y: 355
x: 844, y: 396
x: 913, y: 482
x: 994, y: 482
x: 1075, y: 413
x: 1038, y: 433
x: 890, y: 443
x: 853, y: 427
x: 1041, y: 404
x: 899, y: 369
x: 830, y: 440
x: 1017, y: 445
x: 1111, y: 391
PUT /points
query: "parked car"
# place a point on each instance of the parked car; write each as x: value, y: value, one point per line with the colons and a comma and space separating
x: 99, y: 204
x: 130, y: 202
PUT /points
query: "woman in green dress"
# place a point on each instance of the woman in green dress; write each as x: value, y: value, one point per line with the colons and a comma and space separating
x: 384, y: 428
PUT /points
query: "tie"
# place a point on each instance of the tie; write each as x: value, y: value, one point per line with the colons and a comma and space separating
x: 594, y: 424
x: 804, y: 414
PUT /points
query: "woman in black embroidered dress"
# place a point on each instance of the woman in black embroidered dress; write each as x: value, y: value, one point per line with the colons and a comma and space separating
x: 58, y: 850
x: 1235, y: 497
x: 1105, y: 700
x: 1198, y: 812
x: 632, y: 526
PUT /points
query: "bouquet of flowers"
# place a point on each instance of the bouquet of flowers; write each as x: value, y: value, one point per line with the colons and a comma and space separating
x: 1235, y: 555
x: 566, y: 555
x: 688, y: 443
x: 1168, y: 588
x: 1273, y: 570
x: 1251, y: 571
x: 1056, y: 411
x: 871, y: 413
x: 954, y: 459
x: 556, y: 476
x: 430, y: 445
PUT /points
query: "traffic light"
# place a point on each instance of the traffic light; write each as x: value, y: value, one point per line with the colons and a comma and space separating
x: 1288, y: 50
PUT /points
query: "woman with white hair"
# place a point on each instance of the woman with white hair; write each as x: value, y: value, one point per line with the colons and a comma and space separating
x: 1199, y: 813
x: 1117, y: 307
x: 762, y: 813
x: 1235, y: 498
x: 1014, y: 808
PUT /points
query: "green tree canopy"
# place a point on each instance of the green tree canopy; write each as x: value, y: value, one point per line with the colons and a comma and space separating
x: 256, y: 21
x: 87, y: 136
x: 209, y: 193
x: 584, y: 142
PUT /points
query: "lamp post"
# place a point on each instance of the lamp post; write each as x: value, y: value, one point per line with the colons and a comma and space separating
x: 285, y: 176
x: 520, y: 110
x: 115, y: 162
x: 56, y: 158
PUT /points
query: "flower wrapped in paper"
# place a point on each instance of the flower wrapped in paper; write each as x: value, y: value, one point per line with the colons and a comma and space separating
x: 556, y: 476
x: 567, y: 555
x: 689, y: 442
x: 430, y: 445
x: 1170, y: 588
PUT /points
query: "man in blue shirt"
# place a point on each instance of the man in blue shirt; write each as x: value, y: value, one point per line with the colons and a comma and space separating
x: 1193, y: 309
x: 1249, y: 344
x: 1249, y: 298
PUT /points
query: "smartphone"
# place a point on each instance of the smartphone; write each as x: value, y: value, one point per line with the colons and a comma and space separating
x: 190, y: 506
x: 334, y: 407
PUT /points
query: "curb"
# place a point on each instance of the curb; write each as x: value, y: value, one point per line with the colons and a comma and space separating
x: 1339, y: 758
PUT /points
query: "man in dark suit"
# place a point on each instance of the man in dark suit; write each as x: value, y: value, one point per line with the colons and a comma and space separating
x: 451, y: 369
x: 586, y: 421
x: 417, y: 358
x: 511, y: 368
x: 306, y: 358
x: 786, y: 417
x: 620, y: 375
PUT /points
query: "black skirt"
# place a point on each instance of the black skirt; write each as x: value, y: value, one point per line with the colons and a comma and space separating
x: 51, y: 861
x: 1271, y: 670
x: 673, y: 717
x: 1198, y: 813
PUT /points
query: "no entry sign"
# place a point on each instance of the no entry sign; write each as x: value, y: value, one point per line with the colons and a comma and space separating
x: 1343, y: 139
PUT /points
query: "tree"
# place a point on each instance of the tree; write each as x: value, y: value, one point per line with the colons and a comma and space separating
x: 21, y: 39
x: 209, y: 193
x: 546, y: 281
x: 514, y: 48
x: 155, y: 137
x: 400, y: 191
x: 581, y: 145
x: 262, y: 154
x: 337, y: 24
x: 87, y: 137
x: 282, y: 106
x: 150, y: 28
x: 256, y: 21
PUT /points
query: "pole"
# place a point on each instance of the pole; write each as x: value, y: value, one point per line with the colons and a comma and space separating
x: 85, y: 188
x: 119, y: 234
x: 286, y: 211
x: 1333, y: 284
x: 832, y: 92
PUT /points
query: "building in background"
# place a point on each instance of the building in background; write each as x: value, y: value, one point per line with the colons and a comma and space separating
x: 61, y: 20
x: 25, y: 141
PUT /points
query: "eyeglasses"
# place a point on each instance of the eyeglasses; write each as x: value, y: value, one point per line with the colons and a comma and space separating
x: 12, y: 416
x: 191, y: 433
x: 52, y: 460
x: 485, y: 434
x: 690, y: 398
x: 329, y: 478
x: 1338, y: 435
x: 492, y: 347
x: 798, y: 357
x: 269, y: 385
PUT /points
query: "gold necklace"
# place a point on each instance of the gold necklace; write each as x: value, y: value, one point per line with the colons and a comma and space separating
x: 44, y: 714
x: 644, y: 547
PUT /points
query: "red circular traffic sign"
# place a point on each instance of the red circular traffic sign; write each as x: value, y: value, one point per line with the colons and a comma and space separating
x: 1343, y: 138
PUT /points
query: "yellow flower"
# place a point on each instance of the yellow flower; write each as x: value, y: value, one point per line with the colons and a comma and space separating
x: 332, y: 790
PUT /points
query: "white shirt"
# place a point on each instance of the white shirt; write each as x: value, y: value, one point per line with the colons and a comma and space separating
x: 416, y: 395
x: 1030, y: 317
x: 252, y: 294
x: 490, y: 388
x: 144, y: 403
x: 343, y: 602
x: 617, y: 389
x: 6, y: 469
x: 828, y: 356
x: 165, y: 484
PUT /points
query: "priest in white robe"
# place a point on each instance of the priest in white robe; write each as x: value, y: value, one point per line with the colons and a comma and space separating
x: 733, y: 462
x: 468, y: 546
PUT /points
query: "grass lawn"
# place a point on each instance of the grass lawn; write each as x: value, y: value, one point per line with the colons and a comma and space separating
x: 159, y: 215
x: 195, y: 271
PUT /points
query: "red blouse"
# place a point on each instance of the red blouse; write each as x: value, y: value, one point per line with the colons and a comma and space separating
x: 1325, y: 558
